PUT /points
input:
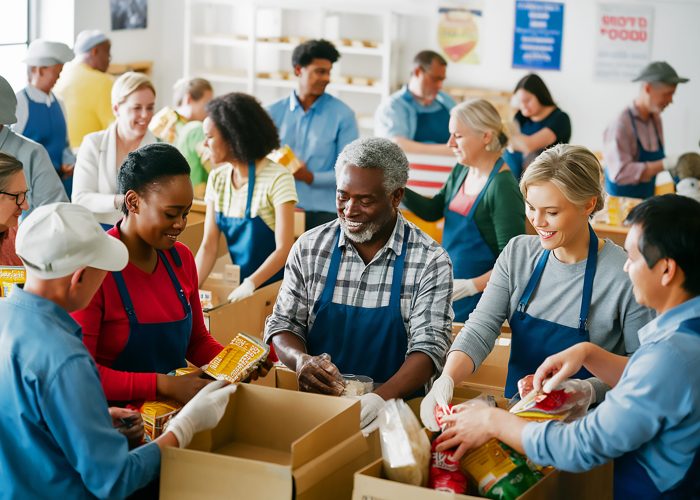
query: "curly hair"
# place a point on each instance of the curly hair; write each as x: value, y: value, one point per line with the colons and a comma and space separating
x: 245, y: 126
x: 376, y: 152
x: 314, y: 49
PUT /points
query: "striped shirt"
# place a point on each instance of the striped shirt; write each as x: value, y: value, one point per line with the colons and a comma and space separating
x: 426, y: 305
x: 274, y: 185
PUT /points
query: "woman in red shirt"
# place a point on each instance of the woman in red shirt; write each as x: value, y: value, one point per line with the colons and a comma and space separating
x: 146, y: 320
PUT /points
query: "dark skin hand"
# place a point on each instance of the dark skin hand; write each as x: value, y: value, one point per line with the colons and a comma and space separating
x: 129, y: 423
x: 182, y: 388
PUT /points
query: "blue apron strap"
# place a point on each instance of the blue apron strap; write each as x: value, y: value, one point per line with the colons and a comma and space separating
x: 251, y: 187
x: 591, y: 265
x: 332, y: 275
x: 126, y: 298
x: 532, y: 284
x: 634, y: 125
x: 173, y: 278
x: 397, y: 277
x: 656, y: 131
x: 493, y: 173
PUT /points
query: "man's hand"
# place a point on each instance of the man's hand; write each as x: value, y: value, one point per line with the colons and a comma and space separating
x: 304, y: 174
x: 129, y: 423
x: 557, y: 368
x: 469, y: 426
x: 182, y: 388
x: 318, y: 374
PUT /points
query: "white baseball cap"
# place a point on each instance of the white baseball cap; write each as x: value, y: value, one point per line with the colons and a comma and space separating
x: 87, y: 39
x: 58, y: 239
x: 44, y: 53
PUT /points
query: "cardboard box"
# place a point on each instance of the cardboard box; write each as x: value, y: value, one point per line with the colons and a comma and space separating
x: 225, y: 320
x: 280, y: 377
x: 490, y: 377
x: 272, y: 443
x: 596, y: 484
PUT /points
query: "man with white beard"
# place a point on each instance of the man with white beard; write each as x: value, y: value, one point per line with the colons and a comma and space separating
x: 368, y: 293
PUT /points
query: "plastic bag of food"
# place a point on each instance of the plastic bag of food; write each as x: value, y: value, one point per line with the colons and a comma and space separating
x: 445, y: 472
x: 405, y: 446
x: 567, y: 402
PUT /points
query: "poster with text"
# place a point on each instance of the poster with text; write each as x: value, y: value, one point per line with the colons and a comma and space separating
x: 458, y: 31
x: 623, y: 44
x: 539, y: 28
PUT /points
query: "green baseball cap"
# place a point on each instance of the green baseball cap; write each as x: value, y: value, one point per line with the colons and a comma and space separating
x: 661, y: 72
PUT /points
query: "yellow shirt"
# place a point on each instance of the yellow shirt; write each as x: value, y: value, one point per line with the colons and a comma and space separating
x: 87, y: 96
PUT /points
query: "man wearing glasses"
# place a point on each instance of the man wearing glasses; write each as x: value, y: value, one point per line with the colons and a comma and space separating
x: 417, y: 116
x: 44, y: 184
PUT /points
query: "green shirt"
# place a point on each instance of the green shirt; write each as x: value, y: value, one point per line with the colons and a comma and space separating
x: 190, y: 142
x: 499, y: 216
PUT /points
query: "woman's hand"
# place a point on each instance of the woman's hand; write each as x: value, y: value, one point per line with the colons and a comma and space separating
x: 129, y: 423
x: 260, y: 371
x: 557, y: 368
x: 181, y: 388
x: 469, y: 426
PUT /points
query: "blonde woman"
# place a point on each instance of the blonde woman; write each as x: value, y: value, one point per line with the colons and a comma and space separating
x: 101, y: 153
x: 480, y: 201
x: 558, y: 288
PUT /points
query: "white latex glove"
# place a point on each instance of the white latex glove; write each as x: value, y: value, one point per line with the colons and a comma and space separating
x: 463, y: 288
x: 202, y: 412
x: 244, y: 291
x: 670, y: 162
x: 372, y: 404
x: 440, y: 394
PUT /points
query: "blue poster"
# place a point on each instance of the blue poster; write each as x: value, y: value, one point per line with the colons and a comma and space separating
x: 538, y: 32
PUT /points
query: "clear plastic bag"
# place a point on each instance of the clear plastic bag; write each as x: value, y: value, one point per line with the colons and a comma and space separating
x: 405, y: 446
x: 567, y: 402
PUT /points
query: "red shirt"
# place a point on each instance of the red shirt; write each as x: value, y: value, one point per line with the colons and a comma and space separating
x: 8, y: 257
x: 106, y: 326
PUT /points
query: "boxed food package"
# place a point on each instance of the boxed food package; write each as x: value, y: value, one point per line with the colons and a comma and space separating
x: 238, y: 359
x: 9, y: 275
x: 155, y: 415
x: 285, y: 156
x: 272, y: 443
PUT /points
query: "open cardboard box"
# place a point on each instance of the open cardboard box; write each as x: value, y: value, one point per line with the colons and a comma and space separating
x: 596, y: 484
x: 225, y: 320
x: 272, y: 443
x: 490, y: 377
x: 280, y: 377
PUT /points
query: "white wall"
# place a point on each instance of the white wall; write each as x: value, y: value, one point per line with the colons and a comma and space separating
x: 590, y: 103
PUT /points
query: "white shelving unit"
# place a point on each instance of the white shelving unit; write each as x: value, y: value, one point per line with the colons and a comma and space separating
x: 246, y: 45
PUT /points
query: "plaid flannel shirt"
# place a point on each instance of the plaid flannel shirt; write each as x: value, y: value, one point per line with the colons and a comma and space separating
x: 426, y: 305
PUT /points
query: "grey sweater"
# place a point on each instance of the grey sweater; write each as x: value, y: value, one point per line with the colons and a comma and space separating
x: 613, y: 320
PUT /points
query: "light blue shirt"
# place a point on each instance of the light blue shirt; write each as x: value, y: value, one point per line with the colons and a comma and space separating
x: 654, y: 409
x: 398, y: 116
x: 56, y: 435
x: 317, y: 137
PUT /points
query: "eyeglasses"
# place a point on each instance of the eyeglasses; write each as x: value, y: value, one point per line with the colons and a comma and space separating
x: 20, y: 198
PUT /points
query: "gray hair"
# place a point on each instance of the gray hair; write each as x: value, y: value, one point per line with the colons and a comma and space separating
x: 376, y: 152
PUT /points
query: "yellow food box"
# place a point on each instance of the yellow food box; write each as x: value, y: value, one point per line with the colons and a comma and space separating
x: 238, y: 359
x: 156, y: 414
x: 9, y: 275
x: 286, y: 157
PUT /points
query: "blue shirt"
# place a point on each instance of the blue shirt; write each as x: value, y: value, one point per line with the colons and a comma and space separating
x: 317, y: 137
x: 56, y: 436
x: 654, y: 409
x: 398, y: 116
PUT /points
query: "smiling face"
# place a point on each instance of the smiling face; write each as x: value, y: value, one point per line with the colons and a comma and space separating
x: 160, y: 214
x: 466, y: 143
x: 135, y: 113
x: 364, y: 208
x: 528, y: 103
x: 218, y: 147
x: 314, y: 78
x: 9, y: 211
x: 558, y: 221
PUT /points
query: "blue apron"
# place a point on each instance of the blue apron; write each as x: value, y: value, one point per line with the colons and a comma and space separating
x: 631, y: 479
x: 515, y: 159
x: 643, y: 189
x: 155, y: 347
x: 470, y: 255
x: 361, y: 340
x: 250, y: 241
x: 47, y: 126
x: 534, y: 339
x: 431, y: 128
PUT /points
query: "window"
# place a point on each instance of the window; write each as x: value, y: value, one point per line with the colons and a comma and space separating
x: 14, y: 38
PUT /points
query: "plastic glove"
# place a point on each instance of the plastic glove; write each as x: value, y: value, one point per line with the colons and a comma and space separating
x: 463, y: 288
x: 319, y: 374
x: 372, y: 404
x: 202, y: 412
x: 440, y: 394
x: 244, y: 291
